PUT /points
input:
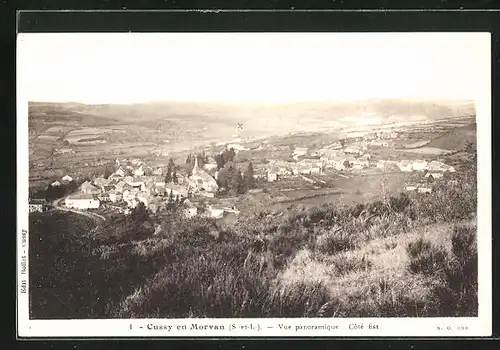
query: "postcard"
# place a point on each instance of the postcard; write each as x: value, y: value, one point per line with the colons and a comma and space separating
x: 253, y: 184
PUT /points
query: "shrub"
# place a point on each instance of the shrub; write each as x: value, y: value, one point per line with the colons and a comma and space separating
x: 336, y: 240
x: 462, y: 273
x: 346, y: 264
x: 298, y: 300
x: 455, y: 275
x: 284, y: 245
x: 399, y: 204
x: 425, y: 258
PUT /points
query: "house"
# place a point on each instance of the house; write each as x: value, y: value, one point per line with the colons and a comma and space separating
x: 55, y: 184
x: 339, y: 163
x: 104, y: 197
x: 65, y: 151
x: 210, y: 166
x: 411, y: 187
x: 136, y: 182
x: 144, y: 197
x: 136, y: 162
x: 208, y: 194
x: 334, y: 146
x: 236, y: 147
x: 132, y: 202
x: 82, y: 201
x: 382, y: 143
x: 360, y: 163
x: 316, y: 170
x: 148, y: 187
x: 330, y: 153
x: 130, y: 194
x: 216, y: 213
x: 158, y: 230
x: 37, y: 205
x: 353, y: 150
x: 201, y: 181
x: 301, y: 169
x: 88, y: 188
x: 158, y: 172
x: 115, y: 196
x: 122, y: 186
x: 176, y: 190
x: 119, y: 173
x: 272, y: 176
x: 128, y: 179
x: 439, y: 166
x: 434, y: 175
x: 419, y: 165
x: 120, y: 162
x: 405, y: 166
x: 139, y: 171
x: 300, y: 151
x: 190, y: 209
x: 159, y: 181
x: 160, y: 190
x: 259, y: 173
x: 101, y: 182
x: 424, y: 189
x: 67, y: 178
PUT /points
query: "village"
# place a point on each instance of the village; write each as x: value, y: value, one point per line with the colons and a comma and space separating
x: 133, y: 181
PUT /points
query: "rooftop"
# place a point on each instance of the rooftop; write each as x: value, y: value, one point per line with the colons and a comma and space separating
x: 82, y: 196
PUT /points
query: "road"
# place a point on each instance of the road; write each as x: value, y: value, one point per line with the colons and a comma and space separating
x: 94, y: 216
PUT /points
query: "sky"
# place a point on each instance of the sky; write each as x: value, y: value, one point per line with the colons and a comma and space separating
x: 251, y: 67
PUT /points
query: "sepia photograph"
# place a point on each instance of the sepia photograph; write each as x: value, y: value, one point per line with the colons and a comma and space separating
x: 213, y: 176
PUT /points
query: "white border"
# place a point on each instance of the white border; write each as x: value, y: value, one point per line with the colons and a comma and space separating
x: 400, y: 327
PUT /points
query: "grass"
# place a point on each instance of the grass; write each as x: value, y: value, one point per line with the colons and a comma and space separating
x: 400, y: 256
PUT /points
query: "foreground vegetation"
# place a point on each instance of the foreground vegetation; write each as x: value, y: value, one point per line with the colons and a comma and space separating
x: 409, y: 255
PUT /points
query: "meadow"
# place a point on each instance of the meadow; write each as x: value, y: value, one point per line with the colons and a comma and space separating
x: 395, y: 256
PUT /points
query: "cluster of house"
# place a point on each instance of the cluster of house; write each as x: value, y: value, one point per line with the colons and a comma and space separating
x: 129, y: 186
x: 354, y: 157
x: 433, y: 168
x: 66, y: 179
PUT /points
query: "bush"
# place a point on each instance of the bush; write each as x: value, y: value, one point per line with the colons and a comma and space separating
x: 462, y: 274
x: 425, y: 258
x: 298, y: 300
x: 345, y: 264
x: 455, y: 275
x: 335, y: 240
x: 399, y: 204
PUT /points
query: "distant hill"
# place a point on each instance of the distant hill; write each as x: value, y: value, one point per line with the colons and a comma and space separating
x: 456, y: 139
x: 262, y: 119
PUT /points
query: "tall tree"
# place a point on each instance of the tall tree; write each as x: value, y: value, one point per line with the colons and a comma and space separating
x: 140, y: 214
x: 170, y: 168
x: 168, y: 177
x: 236, y: 182
x: 108, y: 170
x: 175, y: 180
x: 248, y: 178
x: 219, y: 159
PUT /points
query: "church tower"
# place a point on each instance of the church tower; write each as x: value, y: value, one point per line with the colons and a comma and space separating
x: 196, y: 168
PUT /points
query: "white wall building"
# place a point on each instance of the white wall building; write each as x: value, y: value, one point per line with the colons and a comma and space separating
x: 82, y: 202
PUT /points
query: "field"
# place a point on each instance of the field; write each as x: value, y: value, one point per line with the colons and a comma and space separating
x: 138, y: 130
